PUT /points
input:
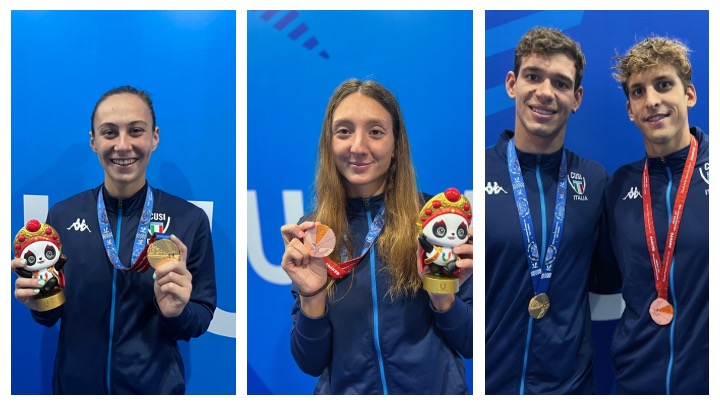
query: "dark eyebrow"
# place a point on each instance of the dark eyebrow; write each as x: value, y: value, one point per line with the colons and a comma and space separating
x: 664, y: 78
x: 137, y: 122
x: 114, y: 125
x: 535, y: 69
x: 340, y: 121
x: 369, y: 123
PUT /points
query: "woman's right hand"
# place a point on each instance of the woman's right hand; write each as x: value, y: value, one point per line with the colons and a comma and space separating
x: 25, y: 288
x: 308, y: 273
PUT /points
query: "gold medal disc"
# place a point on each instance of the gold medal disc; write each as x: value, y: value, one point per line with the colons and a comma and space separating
x: 539, y: 305
x: 161, y: 251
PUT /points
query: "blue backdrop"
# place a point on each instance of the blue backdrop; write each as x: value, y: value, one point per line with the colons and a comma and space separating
x: 295, y: 60
x: 62, y: 62
x: 601, y: 129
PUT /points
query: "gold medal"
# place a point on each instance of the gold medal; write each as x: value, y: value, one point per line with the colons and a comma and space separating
x: 161, y: 251
x: 539, y: 305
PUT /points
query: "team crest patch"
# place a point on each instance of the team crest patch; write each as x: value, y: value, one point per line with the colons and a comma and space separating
x: 160, y: 223
x: 705, y: 174
x: 577, y: 183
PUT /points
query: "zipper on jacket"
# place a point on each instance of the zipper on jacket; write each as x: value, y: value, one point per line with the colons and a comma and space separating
x: 542, y: 260
x: 376, y: 327
x: 671, y: 280
x: 112, y: 299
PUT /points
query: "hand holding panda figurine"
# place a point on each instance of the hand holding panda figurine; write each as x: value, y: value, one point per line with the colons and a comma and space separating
x: 38, y: 244
x: 443, y: 224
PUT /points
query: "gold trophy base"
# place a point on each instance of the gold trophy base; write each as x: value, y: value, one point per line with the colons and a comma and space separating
x: 440, y: 284
x: 49, y: 302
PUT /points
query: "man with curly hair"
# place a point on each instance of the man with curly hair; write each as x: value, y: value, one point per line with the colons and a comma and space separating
x: 657, y: 212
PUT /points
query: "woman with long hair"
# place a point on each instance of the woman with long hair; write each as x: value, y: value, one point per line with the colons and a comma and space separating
x: 371, y: 328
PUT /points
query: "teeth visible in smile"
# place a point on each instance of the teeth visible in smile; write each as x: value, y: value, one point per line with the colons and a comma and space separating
x: 124, y: 162
x: 541, y: 111
x: 656, y: 117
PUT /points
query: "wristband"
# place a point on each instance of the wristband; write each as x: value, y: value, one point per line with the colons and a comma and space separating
x: 314, y: 293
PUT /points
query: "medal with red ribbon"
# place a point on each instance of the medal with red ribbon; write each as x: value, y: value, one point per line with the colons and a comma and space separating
x: 661, y: 311
x: 338, y: 271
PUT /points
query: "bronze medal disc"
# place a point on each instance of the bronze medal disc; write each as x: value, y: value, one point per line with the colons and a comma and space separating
x: 161, y: 251
x: 661, y: 311
x: 320, y: 241
x: 539, y: 305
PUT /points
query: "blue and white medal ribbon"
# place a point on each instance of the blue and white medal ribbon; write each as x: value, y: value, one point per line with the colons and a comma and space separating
x: 540, y: 274
x: 139, y: 256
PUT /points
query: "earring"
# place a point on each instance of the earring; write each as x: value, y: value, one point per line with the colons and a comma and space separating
x: 574, y: 110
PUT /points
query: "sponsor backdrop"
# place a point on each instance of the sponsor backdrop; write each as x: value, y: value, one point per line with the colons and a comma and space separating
x: 295, y: 60
x: 601, y: 129
x: 62, y: 62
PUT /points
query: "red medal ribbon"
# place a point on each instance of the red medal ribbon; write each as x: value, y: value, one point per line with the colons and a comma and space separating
x: 662, y: 270
x: 338, y: 271
x: 141, y: 264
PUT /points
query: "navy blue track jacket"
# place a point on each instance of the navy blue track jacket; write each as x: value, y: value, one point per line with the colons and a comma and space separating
x: 551, y: 355
x: 113, y: 338
x: 367, y: 344
x: 649, y: 358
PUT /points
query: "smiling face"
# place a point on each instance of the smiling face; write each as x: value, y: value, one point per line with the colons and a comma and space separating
x: 544, y: 98
x: 363, y: 144
x: 658, y: 104
x: 124, y: 140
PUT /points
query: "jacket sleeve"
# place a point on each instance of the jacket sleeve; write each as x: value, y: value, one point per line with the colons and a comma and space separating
x: 197, y: 314
x: 310, y: 339
x: 456, y: 324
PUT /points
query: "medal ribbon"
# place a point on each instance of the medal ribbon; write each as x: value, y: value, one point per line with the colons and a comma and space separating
x: 139, y: 260
x: 662, y: 270
x: 540, y: 274
x: 339, y: 271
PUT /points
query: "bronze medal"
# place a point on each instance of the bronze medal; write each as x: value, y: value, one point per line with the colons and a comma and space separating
x: 320, y: 241
x: 661, y: 311
x: 161, y: 251
x: 539, y: 305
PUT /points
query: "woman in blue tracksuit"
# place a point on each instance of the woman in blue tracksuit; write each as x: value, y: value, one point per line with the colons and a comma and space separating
x: 373, y: 331
x: 120, y: 324
x: 660, y: 349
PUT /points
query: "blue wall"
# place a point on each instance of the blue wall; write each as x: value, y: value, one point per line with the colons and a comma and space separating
x: 601, y: 129
x: 425, y: 58
x: 62, y: 62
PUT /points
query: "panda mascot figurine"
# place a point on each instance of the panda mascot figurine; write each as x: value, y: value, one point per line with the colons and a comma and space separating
x: 39, y: 244
x: 443, y: 224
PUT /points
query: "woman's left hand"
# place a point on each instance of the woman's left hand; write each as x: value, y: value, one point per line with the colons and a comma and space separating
x: 173, y: 283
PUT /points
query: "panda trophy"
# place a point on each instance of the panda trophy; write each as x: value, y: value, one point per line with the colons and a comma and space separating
x: 39, y: 244
x: 443, y: 224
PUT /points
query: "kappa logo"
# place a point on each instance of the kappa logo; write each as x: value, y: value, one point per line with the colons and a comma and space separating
x: 494, y: 188
x: 160, y: 223
x: 79, y: 225
x: 577, y: 183
x: 633, y: 194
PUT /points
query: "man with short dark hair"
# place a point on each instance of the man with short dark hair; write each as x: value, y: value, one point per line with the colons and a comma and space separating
x: 541, y: 226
